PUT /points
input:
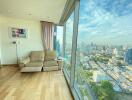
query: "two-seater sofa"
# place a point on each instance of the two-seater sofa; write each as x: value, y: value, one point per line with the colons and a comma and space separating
x: 40, y: 60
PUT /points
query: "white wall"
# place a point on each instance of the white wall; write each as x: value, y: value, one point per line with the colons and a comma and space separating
x: 31, y: 43
x: 0, y: 41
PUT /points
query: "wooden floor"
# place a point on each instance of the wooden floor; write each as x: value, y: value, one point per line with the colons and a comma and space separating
x: 32, y: 86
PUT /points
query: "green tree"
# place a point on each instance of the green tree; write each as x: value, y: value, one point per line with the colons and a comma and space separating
x: 104, y: 91
x: 119, y: 63
x: 106, y: 84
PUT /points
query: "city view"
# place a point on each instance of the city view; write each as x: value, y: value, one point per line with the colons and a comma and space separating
x: 103, y: 69
x: 102, y: 63
x: 106, y: 63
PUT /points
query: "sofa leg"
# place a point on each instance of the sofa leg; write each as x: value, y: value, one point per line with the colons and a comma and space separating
x: 42, y: 69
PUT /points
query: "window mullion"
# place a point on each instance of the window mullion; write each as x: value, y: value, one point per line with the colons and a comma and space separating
x: 74, y: 42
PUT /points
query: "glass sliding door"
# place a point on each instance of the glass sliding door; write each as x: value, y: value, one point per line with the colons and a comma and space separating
x: 68, y: 44
x: 104, y: 50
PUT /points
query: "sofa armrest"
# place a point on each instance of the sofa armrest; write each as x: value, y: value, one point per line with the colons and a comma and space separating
x: 24, y: 61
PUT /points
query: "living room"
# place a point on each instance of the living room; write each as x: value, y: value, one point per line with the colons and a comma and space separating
x: 28, y: 33
x: 65, y: 49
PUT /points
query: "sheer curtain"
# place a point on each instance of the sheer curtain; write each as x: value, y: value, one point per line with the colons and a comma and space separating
x: 47, y: 35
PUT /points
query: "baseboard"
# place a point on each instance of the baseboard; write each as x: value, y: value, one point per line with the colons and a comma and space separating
x: 12, y: 65
x: 68, y: 84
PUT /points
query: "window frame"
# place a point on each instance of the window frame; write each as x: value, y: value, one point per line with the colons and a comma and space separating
x: 71, y: 78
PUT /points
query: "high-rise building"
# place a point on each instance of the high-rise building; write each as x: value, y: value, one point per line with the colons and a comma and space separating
x: 118, y: 53
x: 99, y: 76
x: 128, y: 56
x: 58, y: 49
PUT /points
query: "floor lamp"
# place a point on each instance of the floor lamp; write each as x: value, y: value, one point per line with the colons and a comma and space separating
x: 16, y: 45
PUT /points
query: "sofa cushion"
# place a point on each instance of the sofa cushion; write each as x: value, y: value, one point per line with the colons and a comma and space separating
x: 50, y: 63
x: 34, y: 64
x: 50, y: 55
x: 37, y: 56
x: 31, y: 69
x: 53, y: 68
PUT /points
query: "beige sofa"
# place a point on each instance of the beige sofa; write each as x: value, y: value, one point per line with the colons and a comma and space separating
x: 39, y: 60
x: 51, y: 62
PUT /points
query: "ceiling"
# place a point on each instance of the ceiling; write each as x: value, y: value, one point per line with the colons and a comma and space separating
x: 44, y: 10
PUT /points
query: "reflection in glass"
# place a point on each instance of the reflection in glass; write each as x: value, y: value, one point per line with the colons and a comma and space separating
x: 68, y: 45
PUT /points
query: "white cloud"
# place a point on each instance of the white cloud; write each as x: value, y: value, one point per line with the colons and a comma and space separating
x: 97, y: 24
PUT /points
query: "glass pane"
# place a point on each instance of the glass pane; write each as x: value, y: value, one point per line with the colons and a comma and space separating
x: 104, y: 50
x: 59, y: 40
x: 68, y: 45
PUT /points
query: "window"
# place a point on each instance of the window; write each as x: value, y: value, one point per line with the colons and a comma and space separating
x: 104, y: 48
x: 68, y: 45
x: 59, y: 40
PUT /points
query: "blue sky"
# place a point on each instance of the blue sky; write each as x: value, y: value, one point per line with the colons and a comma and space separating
x: 105, y: 22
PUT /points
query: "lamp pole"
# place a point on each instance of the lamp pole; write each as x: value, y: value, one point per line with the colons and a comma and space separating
x: 15, y: 42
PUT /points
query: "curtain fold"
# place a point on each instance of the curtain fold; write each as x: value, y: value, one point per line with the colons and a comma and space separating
x: 47, y: 35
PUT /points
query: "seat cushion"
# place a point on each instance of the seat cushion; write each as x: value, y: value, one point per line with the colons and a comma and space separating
x: 53, y: 68
x: 50, y: 63
x: 50, y: 55
x: 37, y: 56
x: 34, y: 64
x: 31, y: 69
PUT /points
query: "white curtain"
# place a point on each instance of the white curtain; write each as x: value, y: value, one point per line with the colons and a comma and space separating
x: 47, y: 35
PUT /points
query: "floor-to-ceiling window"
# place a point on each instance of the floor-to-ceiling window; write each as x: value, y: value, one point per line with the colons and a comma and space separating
x: 103, y: 58
x: 59, y: 41
x: 104, y: 50
x: 68, y: 44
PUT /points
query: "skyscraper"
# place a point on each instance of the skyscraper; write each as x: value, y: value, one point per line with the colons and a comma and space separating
x: 128, y: 56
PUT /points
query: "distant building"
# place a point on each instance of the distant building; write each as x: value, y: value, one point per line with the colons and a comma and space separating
x: 129, y: 68
x: 118, y: 53
x: 108, y: 51
x: 100, y: 76
x: 128, y: 56
x: 58, y: 48
x: 116, y: 87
